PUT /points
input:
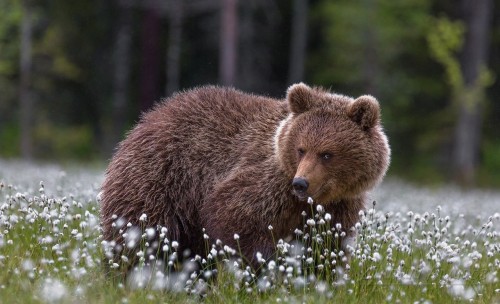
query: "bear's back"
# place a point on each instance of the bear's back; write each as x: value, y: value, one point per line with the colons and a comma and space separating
x: 214, y: 124
x: 225, y: 111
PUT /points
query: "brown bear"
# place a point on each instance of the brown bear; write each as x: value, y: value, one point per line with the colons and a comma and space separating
x: 233, y: 163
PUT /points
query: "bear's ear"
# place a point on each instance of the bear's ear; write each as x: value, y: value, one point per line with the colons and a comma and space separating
x: 299, y: 98
x: 365, y: 111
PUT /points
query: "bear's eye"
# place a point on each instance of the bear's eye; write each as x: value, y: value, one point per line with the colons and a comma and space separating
x: 301, y: 152
x: 326, y: 156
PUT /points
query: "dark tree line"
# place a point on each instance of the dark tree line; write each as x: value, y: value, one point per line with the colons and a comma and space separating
x: 75, y: 76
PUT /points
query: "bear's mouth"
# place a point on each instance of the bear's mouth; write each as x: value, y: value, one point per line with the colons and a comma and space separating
x: 304, y: 196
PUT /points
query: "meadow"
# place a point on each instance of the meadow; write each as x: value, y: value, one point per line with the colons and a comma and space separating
x: 414, y: 245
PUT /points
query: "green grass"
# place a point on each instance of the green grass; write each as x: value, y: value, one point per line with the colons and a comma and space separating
x: 51, y: 252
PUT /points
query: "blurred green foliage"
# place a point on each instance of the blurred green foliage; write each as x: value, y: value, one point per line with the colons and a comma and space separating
x: 74, y: 142
x: 445, y: 41
x: 10, y: 17
x: 9, y: 138
x: 489, y: 172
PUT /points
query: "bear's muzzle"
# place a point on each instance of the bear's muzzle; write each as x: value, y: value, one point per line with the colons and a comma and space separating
x: 300, y: 186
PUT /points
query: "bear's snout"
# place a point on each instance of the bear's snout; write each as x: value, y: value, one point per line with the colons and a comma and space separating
x: 300, y: 186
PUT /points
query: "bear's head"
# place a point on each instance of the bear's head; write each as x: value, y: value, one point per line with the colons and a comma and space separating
x: 331, y: 146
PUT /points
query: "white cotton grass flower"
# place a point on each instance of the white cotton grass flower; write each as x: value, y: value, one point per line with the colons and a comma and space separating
x: 298, y: 232
x: 150, y: 233
x: 139, y: 278
x: 376, y: 257
x: 99, y: 197
x: 310, y: 200
x: 27, y: 265
x: 260, y: 258
x: 213, y: 252
x: 52, y: 290
x: 175, y: 245
x: 132, y: 237
x: 458, y: 290
x: 321, y: 287
x: 320, y: 209
x: 299, y: 282
x: 263, y: 284
x: 165, y: 248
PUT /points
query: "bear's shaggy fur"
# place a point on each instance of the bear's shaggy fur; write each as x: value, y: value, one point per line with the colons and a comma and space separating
x: 222, y: 160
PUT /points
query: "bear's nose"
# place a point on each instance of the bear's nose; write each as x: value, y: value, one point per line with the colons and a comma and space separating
x: 300, y: 184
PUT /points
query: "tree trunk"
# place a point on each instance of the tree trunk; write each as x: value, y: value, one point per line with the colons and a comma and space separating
x: 25, y: 95
x: 150, y: 56
x: 174, y: 47
x: 370, y: 67
x: 474, y: 57
x: 256, y: 22
x: 298, y: 41
x: 121, y: 79
x: 228, y: 42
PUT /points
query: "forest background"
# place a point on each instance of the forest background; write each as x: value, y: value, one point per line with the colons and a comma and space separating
x: 75, y: 75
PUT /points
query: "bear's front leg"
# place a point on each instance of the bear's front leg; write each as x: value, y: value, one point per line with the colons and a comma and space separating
x: 344, y: 216
x: 247, y: 241
x: 238, y: 213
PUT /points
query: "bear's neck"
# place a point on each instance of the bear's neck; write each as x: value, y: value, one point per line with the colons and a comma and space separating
x: 280, y: 134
